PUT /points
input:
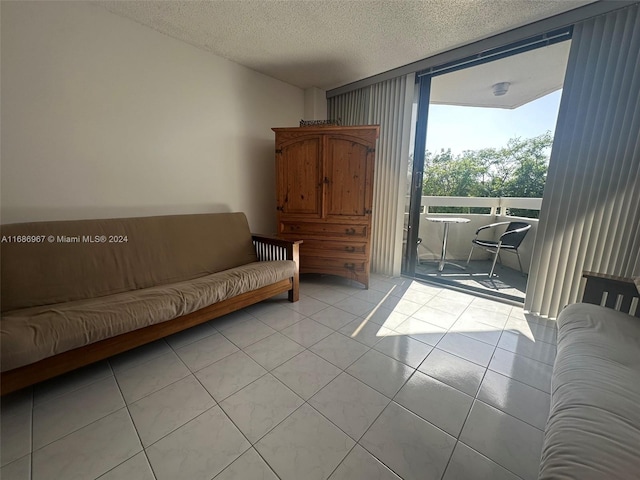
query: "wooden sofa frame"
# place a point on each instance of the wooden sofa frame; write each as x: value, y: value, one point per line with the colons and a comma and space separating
x: 267, y: 248
x: 611, y: 292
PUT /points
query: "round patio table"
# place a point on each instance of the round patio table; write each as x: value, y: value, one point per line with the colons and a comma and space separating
x: 447, y: 221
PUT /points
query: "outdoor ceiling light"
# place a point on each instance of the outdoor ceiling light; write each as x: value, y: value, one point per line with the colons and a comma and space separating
x: 501, y: 88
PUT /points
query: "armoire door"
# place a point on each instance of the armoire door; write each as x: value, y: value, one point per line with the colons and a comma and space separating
x: 348, y: 176
x: 299, y: 171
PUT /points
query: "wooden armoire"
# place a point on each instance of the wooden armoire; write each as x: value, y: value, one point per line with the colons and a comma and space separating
x: 324, y: 184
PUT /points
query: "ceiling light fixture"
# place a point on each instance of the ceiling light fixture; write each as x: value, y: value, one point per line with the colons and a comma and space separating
x: 501, y: 88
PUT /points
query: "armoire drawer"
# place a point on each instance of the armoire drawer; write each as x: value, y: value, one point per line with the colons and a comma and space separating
x: 344, y: 264
x: 324, y: 229
x: 329, y: 248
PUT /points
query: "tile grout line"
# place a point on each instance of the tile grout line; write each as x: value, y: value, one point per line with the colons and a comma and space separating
x: 357, y: 442
x: 342, y: 370
x: 320, y: 389
x: 240, y: 348
x: 170, y: 432
x: 162, y: 340
x: 126, y: 406
x: 31, y: 453
x: 517, y: 381
x: 488, y: 458
x: 527, y: 358
x: 78, y: 428
x: 343, y: 459
x: 144, y: 450
x: 408, y: 379
x: 377, y: 417
x: 470, y: 408
x: 252, y: 444
x: 153, y: 472
x: 508, y: 414
x: 446, y: 467
x: 476, y: 399
x: 74, y: 390
x: 257, y: 452
x: 337, y: 366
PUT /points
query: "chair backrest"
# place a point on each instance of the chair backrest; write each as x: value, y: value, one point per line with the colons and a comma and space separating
x: 515, y: 239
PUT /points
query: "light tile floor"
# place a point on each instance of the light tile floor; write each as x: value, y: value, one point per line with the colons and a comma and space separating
x: 404, y: 380
x: 506, y: 281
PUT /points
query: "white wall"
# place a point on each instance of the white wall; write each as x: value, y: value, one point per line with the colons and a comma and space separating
x: 315, y: 104
x: 103, y: 117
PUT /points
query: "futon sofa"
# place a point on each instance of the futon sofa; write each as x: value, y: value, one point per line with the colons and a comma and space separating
x: 75, y: 292
x: 593, y: 431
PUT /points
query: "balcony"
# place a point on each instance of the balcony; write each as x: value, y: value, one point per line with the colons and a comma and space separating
x: 507, y: 281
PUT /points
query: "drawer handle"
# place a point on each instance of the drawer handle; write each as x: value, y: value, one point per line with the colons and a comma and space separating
x: 350, y: 231
x: 349, y: 266
x: 350, y: 249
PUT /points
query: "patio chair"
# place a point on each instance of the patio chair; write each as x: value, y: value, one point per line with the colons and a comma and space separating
x: 418, y: 242
x: 509, y: 241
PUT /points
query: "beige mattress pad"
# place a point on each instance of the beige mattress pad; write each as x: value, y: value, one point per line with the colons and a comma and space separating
x: 31, y: 334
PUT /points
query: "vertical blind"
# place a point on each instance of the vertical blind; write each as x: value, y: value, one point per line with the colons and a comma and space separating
x: 590, y: 214
x: 388, y: 104
x: 351, y: 108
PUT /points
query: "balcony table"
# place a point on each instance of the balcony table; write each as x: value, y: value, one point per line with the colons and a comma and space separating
x: 447, y: 221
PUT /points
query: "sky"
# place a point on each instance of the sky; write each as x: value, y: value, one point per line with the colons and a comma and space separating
x: 472, y: 128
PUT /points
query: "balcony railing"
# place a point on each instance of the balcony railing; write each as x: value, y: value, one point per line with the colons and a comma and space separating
x: 497, y: 209
x: 496, y: 205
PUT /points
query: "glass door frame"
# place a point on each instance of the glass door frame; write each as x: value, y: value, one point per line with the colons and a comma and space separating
x: 410, y: 255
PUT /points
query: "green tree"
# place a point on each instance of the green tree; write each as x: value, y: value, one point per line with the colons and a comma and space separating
x: 530, y: 173
x: 518, y: 169
x: 451, y: 176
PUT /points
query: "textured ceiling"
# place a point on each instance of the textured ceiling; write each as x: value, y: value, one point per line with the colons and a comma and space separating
x: 329, y: 43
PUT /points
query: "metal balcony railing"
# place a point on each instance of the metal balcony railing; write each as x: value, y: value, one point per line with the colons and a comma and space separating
x: 496, y: 205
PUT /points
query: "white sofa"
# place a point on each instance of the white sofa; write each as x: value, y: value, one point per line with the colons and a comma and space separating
x: 593, y: 431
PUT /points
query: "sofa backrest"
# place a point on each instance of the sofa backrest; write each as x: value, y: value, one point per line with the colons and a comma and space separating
x: 89, y: 258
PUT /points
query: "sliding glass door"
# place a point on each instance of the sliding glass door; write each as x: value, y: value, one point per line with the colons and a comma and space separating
x: 483, y: 133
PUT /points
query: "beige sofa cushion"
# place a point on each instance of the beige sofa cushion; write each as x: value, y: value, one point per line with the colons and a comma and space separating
x: 158, y: 250
x: 29, y: 335
x: 593, y: 430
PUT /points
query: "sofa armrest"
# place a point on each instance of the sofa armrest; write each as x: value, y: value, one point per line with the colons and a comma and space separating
x: 274, y: 248
x: 616, y: 292
x: 272, y: 240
